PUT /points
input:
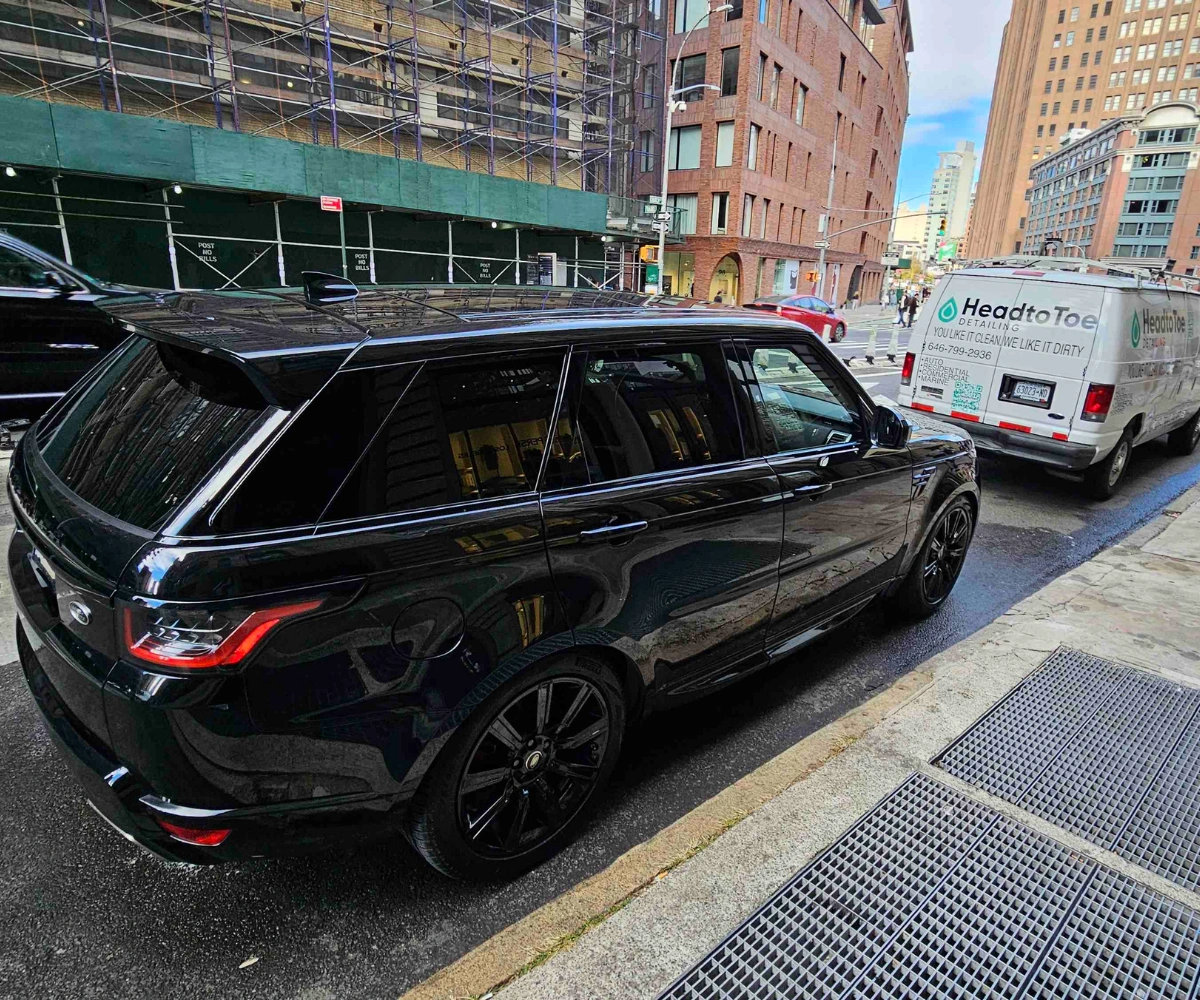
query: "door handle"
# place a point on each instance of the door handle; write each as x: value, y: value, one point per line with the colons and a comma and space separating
x: 813, y: 491
x: 612, y: 532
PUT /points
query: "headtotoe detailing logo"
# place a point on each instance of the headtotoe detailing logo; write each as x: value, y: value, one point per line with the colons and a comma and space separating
x: 1135, y: 331
x: 949, y: 312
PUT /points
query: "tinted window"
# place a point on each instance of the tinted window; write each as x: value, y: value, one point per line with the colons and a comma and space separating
x: 803, y: 405
x: 644, y: 410
x: 17, y: 271
x: 298, y: 477
x: 142, y: 437
x: 462, y: 431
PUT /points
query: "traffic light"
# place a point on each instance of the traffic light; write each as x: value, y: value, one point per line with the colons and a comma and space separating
x: 648, y: 255
x: 942, y: 227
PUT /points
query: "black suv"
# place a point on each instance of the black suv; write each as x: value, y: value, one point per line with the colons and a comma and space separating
x: 51, y: 332
x: 291, y: 573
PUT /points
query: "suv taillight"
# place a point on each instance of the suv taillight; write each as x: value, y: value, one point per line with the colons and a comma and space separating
x: 906, y: 373
x: 200, y: 639
x: 1097, y: 403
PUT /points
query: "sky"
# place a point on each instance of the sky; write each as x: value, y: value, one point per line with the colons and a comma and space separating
x: 952, y: 71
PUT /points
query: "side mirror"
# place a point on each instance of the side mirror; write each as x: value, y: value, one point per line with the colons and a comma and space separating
x: 892, y: 428
x: 320, y: 289
x: 58, y: 281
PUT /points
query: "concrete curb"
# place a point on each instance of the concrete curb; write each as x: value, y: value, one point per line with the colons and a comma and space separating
x: 556, y: 925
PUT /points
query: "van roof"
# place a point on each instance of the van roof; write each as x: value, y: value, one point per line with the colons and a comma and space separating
x: 289, y: 349
x: 1057, y: 276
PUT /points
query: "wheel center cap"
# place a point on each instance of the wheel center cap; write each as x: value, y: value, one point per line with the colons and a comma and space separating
x: 533, y: 760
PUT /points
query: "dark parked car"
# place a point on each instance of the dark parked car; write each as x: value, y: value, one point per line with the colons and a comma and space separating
x: 51, y: 332
x: 288, y: 577
x: 814, y: 313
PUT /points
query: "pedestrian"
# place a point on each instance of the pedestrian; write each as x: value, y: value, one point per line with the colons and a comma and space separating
x: 900, y: 300
x: 910, y: 307
x: 719, y: 297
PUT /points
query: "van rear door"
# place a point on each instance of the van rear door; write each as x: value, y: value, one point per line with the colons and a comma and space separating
x: 1042, y: 361
x: 956, y: 362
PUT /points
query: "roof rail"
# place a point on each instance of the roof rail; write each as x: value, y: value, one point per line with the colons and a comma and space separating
x: 1084, y: 265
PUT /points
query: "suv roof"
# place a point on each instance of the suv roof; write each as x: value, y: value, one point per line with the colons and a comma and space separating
x: 289, y: 348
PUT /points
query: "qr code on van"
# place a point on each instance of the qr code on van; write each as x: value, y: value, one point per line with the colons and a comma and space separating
x: 967, y: 395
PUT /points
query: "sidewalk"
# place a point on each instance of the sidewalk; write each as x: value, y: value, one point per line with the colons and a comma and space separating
x: 1064, y: 854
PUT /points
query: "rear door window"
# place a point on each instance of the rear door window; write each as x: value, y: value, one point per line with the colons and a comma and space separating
x: 640, y: 410
x: 464, y: 430
x: 143, y: 436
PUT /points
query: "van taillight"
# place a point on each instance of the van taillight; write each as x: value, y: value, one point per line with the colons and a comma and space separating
x: 910, y: 360
x: 1097, y: 403
x: 197, y: 639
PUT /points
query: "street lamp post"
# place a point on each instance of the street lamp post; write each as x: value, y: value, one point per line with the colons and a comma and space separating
x: 672, y: 92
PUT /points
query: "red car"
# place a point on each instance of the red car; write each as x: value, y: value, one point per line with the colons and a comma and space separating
x: 817, y: 314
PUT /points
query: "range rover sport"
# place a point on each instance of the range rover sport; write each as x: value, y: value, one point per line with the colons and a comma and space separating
x: 292, y: 574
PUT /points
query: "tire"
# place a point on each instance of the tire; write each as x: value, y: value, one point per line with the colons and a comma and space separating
x: 922, y: 593
x: 1183, y: 440
x: 472, y: 822
x: 1102, y: 479
x: 839, y: 333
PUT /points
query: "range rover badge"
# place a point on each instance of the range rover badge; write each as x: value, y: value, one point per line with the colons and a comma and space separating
x: 81, y: 612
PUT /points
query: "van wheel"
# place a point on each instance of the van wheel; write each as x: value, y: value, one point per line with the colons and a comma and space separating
x: 937, y: 566
x: 1183, y: 440
x: 1103, y: 478
x: 521, y: 772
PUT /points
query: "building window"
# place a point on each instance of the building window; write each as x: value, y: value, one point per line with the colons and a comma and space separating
x: 1090, y: 34
x: 1092, y: 80
x: 720, y: 212
x: 1059, y: 88
x: 650, y: 86
x: 1057, y: 107
x: 762, y: 11
x: 1053, y: 63
x: 1074, y: 14
x: 724, y: 157
x: 1070, y: 38
x: 841, y: 72
x: 690, y: 73
x: 730, y: 64
x: 1075, y: 107
x: 1103, y: 33
x: 776, y: 73
x: 1062, y: 16
x: 747, y: 214
x: 688, y: 14
x: 762, y: 75
x: 646, y: 150
x: 1083, y: 60
x: 752, y: 147
x: 1041, y: 131
x: 1087, y: 105
x: 685, y: 206
x: 1057, y: 41
x: 801, y: 102
x: 684, y: 148
x: 762, y: 220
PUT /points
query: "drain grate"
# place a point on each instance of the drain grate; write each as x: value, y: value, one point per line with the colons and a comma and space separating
x: 933, y: 895
x: 1103, y: 750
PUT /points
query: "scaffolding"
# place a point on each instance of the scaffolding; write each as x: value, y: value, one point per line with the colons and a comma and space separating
x: 562, y: 92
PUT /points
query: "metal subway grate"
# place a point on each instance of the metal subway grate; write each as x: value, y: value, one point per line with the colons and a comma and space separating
x: 936, y: 896
x: 1103, y: 750
x: 1124, y: 942
x: 1164, y: 834
x: 1003, y: 753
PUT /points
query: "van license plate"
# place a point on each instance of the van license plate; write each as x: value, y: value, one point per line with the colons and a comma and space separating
x: 1031, y: 392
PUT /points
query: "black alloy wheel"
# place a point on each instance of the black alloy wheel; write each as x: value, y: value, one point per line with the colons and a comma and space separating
x: 945, y: 554
x: 937, y: 565
x: 533, y: 767
x: 506, y: 790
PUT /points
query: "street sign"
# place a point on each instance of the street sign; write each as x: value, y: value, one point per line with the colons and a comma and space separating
x: 330, y: 203
x: 822, y: 244
x: 652, y: 274
x: 891, y: 260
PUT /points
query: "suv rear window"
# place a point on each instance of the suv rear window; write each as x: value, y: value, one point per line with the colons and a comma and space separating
x: 142, y: 438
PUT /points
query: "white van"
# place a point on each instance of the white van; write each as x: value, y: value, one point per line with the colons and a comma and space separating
x: 1068, y: 369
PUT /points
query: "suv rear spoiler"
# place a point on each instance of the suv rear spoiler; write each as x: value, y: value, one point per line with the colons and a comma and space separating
x: 285, y: 347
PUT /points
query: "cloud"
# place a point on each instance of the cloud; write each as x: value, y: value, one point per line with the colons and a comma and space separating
x: 916, y: 131
x: 957, y: 45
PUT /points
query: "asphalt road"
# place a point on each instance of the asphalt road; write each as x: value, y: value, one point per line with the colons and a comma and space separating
x: 85, y: 914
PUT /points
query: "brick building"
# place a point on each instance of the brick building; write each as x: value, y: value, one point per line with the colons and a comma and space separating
x: 750, y: 162
x: 1067, y: 64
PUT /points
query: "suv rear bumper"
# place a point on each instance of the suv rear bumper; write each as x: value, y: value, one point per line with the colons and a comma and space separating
x: 1017, y: 444
x: 128, y: 804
